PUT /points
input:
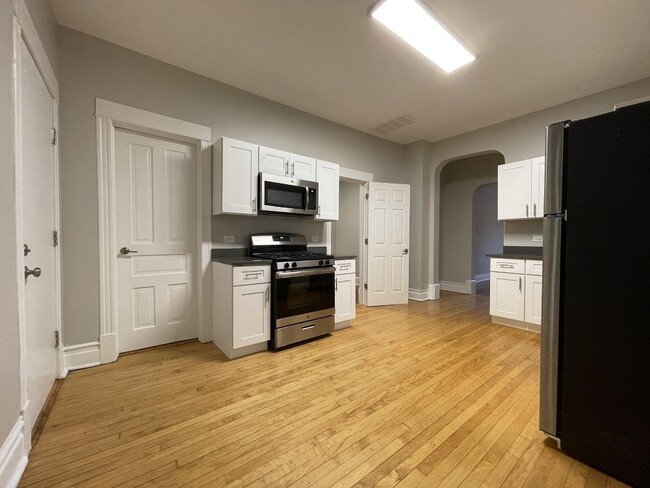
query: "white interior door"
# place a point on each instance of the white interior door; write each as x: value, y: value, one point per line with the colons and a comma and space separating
x: 388, y: 243
x: 38, y: 204
x: 156, y: 240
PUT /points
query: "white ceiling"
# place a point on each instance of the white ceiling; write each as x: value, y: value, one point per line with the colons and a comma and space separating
x: 329, y: 58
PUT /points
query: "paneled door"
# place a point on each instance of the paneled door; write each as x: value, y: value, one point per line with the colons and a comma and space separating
x: 156, y: 240
x: 388, y: 243
x: 38, y: 206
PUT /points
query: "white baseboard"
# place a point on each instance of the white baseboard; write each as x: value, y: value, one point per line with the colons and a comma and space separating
x: 479, y: 278
x: 419, y: 295
x: 517, y: 324
x: 434, y: 291
x: 81, y: 356
x: 468, y: 287
x: 108, y: 348
x: 13, y: 457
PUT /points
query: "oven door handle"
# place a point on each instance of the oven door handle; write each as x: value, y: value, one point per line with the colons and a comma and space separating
x: 281, y: 275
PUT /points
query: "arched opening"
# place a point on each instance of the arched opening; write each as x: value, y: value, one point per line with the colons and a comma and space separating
x: 461, y: 266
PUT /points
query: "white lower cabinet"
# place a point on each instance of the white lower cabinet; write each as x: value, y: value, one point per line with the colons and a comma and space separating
x: 507, y: 295
x: 241, y: 308
x: 516, y: 292
x: 345, y: 298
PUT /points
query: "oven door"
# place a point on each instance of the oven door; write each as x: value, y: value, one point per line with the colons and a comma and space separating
x: 287, y: 195
x: 303, y: 295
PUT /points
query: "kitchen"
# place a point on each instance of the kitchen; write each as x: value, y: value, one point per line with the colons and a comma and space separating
x: 89, y: 68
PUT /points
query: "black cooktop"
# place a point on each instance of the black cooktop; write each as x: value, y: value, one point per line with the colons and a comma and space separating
x: 293, y: 255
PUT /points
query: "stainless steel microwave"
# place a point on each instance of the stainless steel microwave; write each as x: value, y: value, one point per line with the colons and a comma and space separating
x: 282, y: 194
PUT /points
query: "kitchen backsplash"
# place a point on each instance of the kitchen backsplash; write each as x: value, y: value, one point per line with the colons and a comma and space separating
x: 241, y: 227
x: 523, y: 233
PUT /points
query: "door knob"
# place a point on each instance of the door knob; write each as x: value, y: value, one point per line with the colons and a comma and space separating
x: 126, y: 250
x: 405, y: 251
x: 36, y: 272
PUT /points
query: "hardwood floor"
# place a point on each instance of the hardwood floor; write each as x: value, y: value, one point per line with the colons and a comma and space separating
x: 426, y: 394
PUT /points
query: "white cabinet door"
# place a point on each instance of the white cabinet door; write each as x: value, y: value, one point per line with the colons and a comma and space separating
x: 507, y: 295
x: 234, y: 173
x: 345, y: 297
x: 274, y: 161
x: 302, y: 167
x: 251, y: 314
x: 538, y: 169
x: 327, y: 175
x: 514, y: 190
x: 534, y: 299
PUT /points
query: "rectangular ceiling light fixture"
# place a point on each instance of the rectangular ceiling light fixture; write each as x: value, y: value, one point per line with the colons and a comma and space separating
x: 417, y: 25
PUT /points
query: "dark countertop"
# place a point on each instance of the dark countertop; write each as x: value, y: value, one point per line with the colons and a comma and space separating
x: 518, y: 252
x: 241, y: 261
x: 337, y: 257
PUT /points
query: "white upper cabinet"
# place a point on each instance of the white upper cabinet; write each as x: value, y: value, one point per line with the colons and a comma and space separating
x: 514, y: 190
x: 302, y: 167
x: 274, y: 161
x: 327, y: 175
x: 538, y: 170
x: 521, y: 189
x: 234, y: 177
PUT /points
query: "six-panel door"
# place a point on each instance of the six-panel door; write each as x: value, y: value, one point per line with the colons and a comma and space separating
x: 251, y: 314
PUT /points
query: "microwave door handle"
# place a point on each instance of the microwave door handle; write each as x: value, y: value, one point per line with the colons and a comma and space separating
x: 306, y: 198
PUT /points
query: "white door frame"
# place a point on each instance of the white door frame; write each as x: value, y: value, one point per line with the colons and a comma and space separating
x: 24, y: 30
x: 109, y: 116
x: 362, y: 179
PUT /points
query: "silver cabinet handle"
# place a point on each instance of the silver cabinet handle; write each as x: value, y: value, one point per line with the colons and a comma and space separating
x: 267, y: 295
x: 526, y: 210
x: 534, y: 210
x: 252, y: 276
x: 319, y: 209
x: 286, y: 168
x: 126, y: 250
x: 254, y: 204
x: 36, y: 272
x: 520, y: 283
x: 336, y: 284
x: 509, y: 266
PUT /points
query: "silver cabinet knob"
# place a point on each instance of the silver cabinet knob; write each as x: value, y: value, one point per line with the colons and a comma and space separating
x: 36, y: 272
x: 126, y: 250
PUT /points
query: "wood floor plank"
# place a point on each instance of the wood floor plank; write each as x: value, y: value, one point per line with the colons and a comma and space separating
x: 425, y: 394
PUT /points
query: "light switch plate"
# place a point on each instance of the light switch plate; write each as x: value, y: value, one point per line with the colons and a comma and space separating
x: 229, y: 239
x: 538, y: 238
x: 315, y: 238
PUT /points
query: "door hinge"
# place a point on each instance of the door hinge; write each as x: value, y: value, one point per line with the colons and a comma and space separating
x: 57, y: 339
x: 367, y: 196
x: 365, y: 241
x: 55, y: 238
x: 365, y: 286
x: 53, y: 136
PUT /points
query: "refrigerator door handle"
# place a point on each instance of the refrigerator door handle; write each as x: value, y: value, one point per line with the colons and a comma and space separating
x: 550, y: 333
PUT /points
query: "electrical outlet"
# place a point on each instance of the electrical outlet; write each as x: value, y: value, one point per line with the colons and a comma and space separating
x: 229, y: 239
x: 538, y: 238
x: 315, y: 238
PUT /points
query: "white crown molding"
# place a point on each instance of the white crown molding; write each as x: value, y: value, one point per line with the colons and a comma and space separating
x: 13, y: 457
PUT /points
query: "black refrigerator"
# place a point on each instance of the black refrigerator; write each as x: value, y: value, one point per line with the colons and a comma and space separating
x: 595, y: 358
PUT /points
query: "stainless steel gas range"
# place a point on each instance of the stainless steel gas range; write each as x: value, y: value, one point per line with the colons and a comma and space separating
x: 302, y: 288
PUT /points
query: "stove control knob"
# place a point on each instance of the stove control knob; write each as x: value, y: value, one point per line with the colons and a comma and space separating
x: 286, y: 265
x: 320, y: 262
x: 327, y: 261
x: 294, y: 265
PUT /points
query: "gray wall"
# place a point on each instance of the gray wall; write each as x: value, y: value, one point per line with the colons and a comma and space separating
x: 9, y: 345
x: 521, y: 232
x: 48, y: 30
x: 242, y: 227
x: 516, y: 139
x: 458, y: 182
x: 487, y: 231
x: 346, y: 232
x: 93, y: 68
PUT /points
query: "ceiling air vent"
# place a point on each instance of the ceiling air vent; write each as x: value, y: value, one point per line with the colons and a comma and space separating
x: 393, y: 124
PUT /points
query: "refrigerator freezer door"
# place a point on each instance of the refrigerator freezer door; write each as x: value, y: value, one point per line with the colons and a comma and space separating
x: 550, y: 340
x: 554, y: 168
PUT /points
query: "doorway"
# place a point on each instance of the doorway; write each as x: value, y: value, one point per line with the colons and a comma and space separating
x: 468, y: 222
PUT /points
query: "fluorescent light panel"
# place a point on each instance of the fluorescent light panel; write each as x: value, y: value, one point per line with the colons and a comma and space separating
x: 415, y: 24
